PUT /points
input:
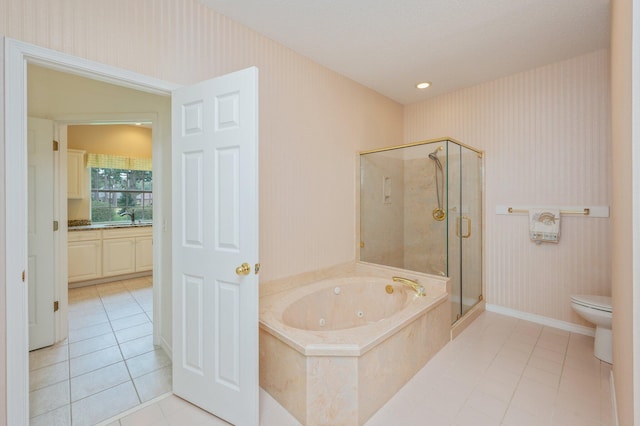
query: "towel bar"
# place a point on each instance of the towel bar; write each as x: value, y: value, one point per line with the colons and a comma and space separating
x: 586, y: 211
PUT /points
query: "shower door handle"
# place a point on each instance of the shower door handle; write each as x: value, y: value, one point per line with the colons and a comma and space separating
x: 458, y: 226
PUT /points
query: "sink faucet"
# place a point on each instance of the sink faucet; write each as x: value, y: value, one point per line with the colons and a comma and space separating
x: 131, y: 213
x: 419, y: 289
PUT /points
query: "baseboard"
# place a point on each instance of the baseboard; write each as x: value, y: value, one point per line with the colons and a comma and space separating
x: 614, y: 404
x: 539, y: 319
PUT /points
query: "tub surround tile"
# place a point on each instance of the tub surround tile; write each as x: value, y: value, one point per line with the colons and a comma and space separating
x: 333, y: 377
x: 283, y: 374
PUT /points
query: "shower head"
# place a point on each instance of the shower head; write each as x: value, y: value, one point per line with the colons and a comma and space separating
x: 434, y: 154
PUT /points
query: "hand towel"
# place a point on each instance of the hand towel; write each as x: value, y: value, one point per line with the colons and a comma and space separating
x: 544, y: 225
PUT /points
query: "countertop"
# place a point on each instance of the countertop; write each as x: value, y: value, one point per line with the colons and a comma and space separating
x: 109, y: 226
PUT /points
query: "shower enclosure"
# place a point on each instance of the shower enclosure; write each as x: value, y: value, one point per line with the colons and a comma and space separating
x: 421, y: 210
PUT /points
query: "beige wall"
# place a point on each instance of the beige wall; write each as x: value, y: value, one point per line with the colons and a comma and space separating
x: 116, y: 139
x: 312, y: 120
x: 545, y: 133
x: 625, y: 212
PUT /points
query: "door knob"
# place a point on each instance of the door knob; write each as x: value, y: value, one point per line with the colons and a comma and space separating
x: 243, y: 269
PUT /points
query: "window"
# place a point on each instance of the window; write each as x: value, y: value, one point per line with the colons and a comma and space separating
x: 116, y: 193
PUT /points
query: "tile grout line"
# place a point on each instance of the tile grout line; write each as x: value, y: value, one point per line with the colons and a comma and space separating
x: 126, y: 365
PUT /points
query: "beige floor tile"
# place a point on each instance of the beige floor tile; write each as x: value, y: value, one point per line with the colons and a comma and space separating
x: 86, y: 319
x: 151, y: 415
x: 98, y: 380
x: 95, y: 360
x: 493, y: 407
x: 91, y: 345
x: 171, y: 404
x: 130, y: 321
x: 48, y: 356
x: 104, y: 405
x: 148, y: 362
x: 48, y: 398
x: 154, y: 384
x: 84, y: 333
x: 122, y: 311
x: 58, y: 417
x: 48, y: 375
x: 137, y: 346
x: 134, y: 332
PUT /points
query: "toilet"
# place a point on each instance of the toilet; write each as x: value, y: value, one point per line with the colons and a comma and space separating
x: 597, y: 309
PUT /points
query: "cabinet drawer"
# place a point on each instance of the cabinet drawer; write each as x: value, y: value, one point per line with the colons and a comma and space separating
x: 84, y: 235
x: 142, y: 231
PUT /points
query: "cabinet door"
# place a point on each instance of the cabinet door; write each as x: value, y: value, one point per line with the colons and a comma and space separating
x: 144, y: 254
x: 118, y: 256
x: 75, y: 174
x: 85, y: 260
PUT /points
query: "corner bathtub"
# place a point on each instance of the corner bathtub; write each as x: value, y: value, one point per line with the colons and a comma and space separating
x: 334, y: 351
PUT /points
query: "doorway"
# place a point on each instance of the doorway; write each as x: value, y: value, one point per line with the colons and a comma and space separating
x: 109, y: 362
x: 16, y: 55
x: 222, y: 110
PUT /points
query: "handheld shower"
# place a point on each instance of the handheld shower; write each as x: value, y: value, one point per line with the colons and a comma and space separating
x: 438, y: 214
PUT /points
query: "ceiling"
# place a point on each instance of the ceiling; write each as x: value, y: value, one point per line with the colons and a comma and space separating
x: 390, y: 46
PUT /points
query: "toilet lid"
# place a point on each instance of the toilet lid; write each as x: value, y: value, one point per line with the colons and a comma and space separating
x: 602, y: 303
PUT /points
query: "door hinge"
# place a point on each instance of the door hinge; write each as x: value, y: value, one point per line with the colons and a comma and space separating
x: 56, y: 146
x: 55, y: 306
x: 23, y: 276
x: 55, y: 225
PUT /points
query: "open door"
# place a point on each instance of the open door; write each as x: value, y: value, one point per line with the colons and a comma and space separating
x: 41, y: 261
x: 215, y: 245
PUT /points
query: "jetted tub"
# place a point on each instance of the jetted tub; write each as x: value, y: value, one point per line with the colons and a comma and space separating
x: 334, y: 351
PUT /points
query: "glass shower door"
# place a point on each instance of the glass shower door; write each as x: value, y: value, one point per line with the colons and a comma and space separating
x: 470, y: 228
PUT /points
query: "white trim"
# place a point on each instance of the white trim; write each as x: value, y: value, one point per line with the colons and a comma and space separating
x: 614, y: 401
x: 167, y: 348
x: 17, y: 54
x: 539, y: 319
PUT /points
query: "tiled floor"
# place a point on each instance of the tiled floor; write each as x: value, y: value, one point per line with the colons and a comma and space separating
x: 107, y: 365
x: 499, y: 371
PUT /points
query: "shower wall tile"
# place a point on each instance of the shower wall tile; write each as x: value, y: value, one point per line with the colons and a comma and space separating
x: 546, y: 137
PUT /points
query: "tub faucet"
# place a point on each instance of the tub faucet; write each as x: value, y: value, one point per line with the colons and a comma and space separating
x: 419, y: 289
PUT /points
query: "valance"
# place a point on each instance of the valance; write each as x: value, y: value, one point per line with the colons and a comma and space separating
x: 107, y: 161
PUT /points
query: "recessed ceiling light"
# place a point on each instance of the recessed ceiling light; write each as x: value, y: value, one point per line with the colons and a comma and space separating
x: 138, y: 124
x: 423, y: 85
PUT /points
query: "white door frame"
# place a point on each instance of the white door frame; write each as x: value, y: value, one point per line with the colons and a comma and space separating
x: 17, y: 55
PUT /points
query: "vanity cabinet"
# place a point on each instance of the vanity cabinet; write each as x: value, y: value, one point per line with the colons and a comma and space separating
x: 75, y: 174
x: 85, y: 255
x: 104, y: 253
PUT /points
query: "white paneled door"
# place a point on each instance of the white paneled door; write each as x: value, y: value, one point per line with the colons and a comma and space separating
x: 41, y: 264
x: 215, y: 233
